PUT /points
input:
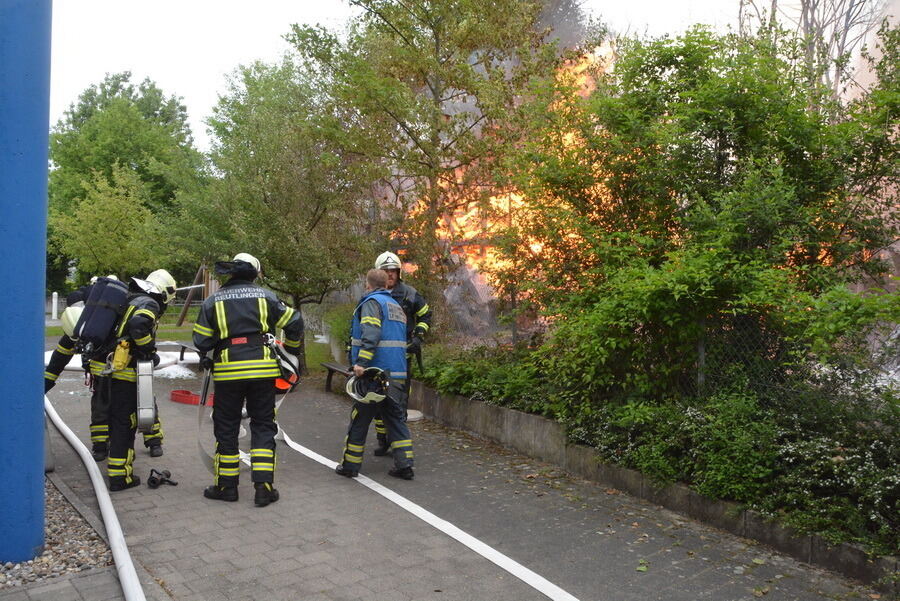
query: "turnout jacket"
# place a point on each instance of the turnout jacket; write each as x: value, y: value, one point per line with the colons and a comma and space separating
x: 138, y: 327
x: 232, y: 323
x: 378, y: 334
x: 62, y: 355
x: 418, y: 313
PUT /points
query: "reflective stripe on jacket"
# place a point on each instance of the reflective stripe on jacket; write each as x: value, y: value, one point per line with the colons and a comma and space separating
x: 378, y: 334
x: 230, y: 322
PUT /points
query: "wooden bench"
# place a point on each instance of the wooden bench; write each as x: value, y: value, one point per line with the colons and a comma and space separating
x: 332, y: 369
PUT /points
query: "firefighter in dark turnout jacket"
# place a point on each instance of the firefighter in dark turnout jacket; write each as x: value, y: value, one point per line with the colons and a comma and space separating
x: 147, y: 302
x: 377, y: 340
x: 233, y: 325
x: 60, y: 358
x: 418, y: 322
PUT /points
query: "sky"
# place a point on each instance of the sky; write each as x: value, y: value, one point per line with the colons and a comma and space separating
x: 189, y: 47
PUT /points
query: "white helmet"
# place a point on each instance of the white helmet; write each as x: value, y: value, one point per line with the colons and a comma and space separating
x: 69, y: 318
x: 164, y: 284
x: 387, y: 260
x: 248, y: 258
x: 371, y: 387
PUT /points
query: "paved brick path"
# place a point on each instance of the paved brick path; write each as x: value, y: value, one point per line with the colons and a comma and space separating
x: 329, y: 538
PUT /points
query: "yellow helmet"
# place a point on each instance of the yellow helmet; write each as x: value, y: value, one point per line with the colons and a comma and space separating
x: 164, y: 284
x: 69, y: 319
x: 387, y: 260
x: 248, y: 258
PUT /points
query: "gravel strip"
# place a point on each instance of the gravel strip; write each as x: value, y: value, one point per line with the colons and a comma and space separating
x: 70, y: 545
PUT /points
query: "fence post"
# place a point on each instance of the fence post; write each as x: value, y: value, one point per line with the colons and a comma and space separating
x: 54, y: 306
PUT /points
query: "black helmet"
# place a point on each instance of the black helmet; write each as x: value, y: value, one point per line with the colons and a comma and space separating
x: 371, y: 387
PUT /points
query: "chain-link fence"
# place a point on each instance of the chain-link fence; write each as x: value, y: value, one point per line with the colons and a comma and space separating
x: 741, y: 352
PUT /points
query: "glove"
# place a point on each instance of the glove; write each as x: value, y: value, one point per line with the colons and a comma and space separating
x: 414, y: 346
x: 155, y: 358
x: 48, y: 384
x: 206, y: 363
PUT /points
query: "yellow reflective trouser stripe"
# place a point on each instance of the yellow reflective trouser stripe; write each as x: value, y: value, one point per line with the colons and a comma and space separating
x: 50, y: 375
x: 220, y: 319
x: 423, y: 325
x: 355, y: 447
x: 372, y: 320
x: 285, y: 317
x: 399, y: 444
x: 64, y: 351
x: 262, y: 453
x: 259, y: 466
x: 366, y: 354
x: 352, y: 458
x: 203, y: 330
x: 143, y: 340
x: 422, y: 311
x: 291, y: 343
x: 97, y: 367
x: 263, y: 314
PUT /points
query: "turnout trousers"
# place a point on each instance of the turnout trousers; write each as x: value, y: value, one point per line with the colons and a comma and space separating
x: 397, y: 431
x: 259, y: 394
x: 400, y: 393
x: 122, y: 402
x: 100, y: 416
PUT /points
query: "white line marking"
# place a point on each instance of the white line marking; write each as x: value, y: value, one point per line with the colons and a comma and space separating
x: 527, y: 576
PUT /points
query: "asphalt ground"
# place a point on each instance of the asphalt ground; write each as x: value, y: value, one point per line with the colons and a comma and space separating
x: 331, y: 538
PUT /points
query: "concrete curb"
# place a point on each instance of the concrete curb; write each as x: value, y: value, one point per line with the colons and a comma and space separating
x: 545, y: 439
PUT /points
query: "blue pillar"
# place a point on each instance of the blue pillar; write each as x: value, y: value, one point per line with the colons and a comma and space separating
x: 24, y: 119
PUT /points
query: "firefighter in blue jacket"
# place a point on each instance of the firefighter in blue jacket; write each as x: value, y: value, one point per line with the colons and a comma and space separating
x: 147, y: 302
x: 378, y: 356
x: 234, y: 324
x: 418, y: 322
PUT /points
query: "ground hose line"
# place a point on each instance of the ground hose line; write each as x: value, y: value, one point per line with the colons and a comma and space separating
x: 128, y: 578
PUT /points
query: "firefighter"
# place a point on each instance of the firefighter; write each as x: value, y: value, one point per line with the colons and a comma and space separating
x: 60, y: 358
x: 418, y: 322
x: 233, y: 325
x: 377, y: 340
x: 147, y: 301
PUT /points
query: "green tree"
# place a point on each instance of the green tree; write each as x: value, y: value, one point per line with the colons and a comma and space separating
x: 118, y: 123
x: 287, y: 192
x: 118, y: 208
x: 433, y: 86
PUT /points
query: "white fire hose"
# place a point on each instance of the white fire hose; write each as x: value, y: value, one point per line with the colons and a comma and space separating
x: 128, y: 578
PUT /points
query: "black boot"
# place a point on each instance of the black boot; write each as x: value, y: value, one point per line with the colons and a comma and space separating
x: 402, y: 472
x: 120, y: 484
x: 155, y: 447
x: 383, y: 447
x: 342, y: 471
x: 265, y: 494
x: 228, y: 493
x: 99, y: 451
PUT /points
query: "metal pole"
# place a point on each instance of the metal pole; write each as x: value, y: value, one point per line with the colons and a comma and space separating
x: 54, y: 306
x: 24, y: 119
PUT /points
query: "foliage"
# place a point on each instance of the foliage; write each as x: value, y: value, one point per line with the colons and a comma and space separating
x: 115, y: 123
x: 112, y: 230
x: 338, y: 318
x: 691, y: 230
x: 287, y: 192
x: 431, y: 88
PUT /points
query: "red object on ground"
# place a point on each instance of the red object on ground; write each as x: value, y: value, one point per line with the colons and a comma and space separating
x: 189, y: 398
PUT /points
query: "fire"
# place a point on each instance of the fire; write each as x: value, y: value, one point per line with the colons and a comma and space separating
x: 469, y: 229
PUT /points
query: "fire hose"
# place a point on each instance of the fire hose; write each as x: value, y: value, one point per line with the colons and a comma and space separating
x: 128, y: 578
